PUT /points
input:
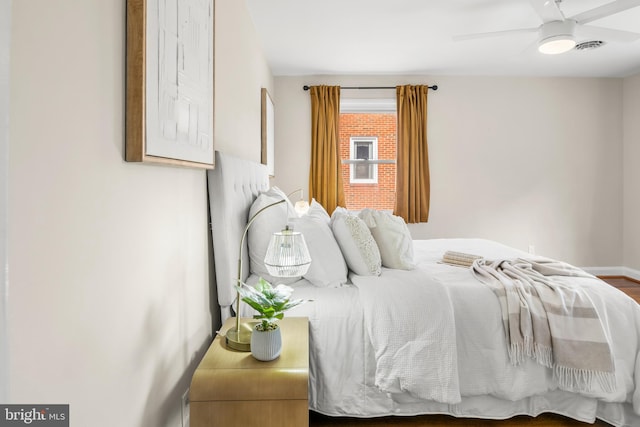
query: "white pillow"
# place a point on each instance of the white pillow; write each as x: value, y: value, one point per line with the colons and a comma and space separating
x: 357, y: 244
x: 328, y: 268
x: 392, y: 237
x: 269, y: 221
x: 318, y: 211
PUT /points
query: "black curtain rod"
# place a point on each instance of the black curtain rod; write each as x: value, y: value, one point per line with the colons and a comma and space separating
x: 434, y: 87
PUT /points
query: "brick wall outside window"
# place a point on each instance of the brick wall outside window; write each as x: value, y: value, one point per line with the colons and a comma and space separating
x: 383, y: 126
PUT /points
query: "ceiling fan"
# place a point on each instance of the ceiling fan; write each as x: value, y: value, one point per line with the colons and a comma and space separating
x: 558, y: 34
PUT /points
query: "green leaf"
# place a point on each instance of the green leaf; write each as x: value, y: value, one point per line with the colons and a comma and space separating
x: 253, y: 305
x: 270, y: 302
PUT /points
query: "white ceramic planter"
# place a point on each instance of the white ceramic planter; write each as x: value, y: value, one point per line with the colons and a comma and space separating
x: 266, y: 345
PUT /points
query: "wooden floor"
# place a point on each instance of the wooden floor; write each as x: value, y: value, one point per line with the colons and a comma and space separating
x: 630, y: 287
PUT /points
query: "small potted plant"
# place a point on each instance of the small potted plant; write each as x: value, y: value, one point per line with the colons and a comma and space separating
x: 270, y: 303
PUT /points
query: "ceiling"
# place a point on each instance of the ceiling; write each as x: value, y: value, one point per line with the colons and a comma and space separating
x: 305, y: 37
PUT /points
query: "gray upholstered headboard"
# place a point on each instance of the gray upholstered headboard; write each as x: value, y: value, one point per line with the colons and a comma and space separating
x: 233, y: 186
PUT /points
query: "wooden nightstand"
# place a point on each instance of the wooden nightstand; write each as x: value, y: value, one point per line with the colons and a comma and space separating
x: 231, y: 388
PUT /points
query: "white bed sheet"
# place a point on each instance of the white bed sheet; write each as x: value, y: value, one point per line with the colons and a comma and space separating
x: 343, y: 364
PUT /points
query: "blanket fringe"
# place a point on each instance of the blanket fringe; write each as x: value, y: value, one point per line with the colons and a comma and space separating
x: 582, y: 379
x: 573, y: 379
x: 517, y: 353
x: 543, y: 355
x: 529, y: 348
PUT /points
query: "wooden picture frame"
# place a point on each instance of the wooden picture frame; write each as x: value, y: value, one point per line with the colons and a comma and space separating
x: 169, y: 83
x: 268, y: 132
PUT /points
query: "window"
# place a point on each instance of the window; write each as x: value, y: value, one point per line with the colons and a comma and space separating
x: 363, y: 150
x: 368, y: 152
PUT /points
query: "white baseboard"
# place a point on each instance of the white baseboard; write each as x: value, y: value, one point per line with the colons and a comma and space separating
x: 631, y: 273
x: 613, y: 271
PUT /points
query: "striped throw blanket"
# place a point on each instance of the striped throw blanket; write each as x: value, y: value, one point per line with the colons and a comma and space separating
x: 549, y: 321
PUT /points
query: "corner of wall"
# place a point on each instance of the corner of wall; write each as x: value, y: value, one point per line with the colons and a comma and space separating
x: 631, y: 173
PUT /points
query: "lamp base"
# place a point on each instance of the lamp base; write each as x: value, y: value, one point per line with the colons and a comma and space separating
x: 239, y: 340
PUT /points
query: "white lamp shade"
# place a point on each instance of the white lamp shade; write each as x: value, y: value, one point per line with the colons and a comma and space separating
x: 287, y: 254
x: 556, y: 45
x: 301, y: 207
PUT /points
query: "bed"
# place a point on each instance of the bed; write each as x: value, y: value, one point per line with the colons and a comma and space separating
x: 461, y: 367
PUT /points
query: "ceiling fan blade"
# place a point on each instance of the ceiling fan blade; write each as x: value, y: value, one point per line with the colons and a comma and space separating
x: 493, y: 34
x: 548, y: 10
x: 605, y: 34
x: 605, y: 10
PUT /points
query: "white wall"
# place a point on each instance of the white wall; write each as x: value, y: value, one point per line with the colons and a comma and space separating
x: 519, y: 160
x: 110, y: 271
x: 241, y: 71
x: 5, y: 36
x: 631, y: 152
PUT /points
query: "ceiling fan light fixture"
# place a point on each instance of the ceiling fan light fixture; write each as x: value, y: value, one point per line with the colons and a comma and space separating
x: 556, y: 37
x: 556, y: 44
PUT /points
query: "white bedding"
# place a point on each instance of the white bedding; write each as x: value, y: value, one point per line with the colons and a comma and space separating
x: 349, y: 377
x: 343, y: 355
x: 413, y: 340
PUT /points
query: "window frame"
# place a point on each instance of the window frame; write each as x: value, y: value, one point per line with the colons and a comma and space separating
x: 372, y: 162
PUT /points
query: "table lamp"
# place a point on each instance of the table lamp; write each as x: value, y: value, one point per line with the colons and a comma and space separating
x: 287, y: 256
x: 302, y: 206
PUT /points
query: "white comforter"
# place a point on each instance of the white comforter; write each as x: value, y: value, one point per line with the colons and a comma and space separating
x: 413, y: 338
x: 460, y: 359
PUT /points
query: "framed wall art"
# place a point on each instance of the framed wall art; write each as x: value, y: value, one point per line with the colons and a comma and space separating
x: 170, y: 90
x: 268, y: 132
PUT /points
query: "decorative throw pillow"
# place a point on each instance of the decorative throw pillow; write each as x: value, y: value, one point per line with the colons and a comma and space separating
x: 318, y: 211
x: 392, y: 237
x: 358, y: 247
x: 269, y: 221
x: 328, y: 268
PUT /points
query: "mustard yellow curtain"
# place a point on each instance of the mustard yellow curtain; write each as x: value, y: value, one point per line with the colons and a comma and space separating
x: 325, y: 176
x: 412, y: 171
